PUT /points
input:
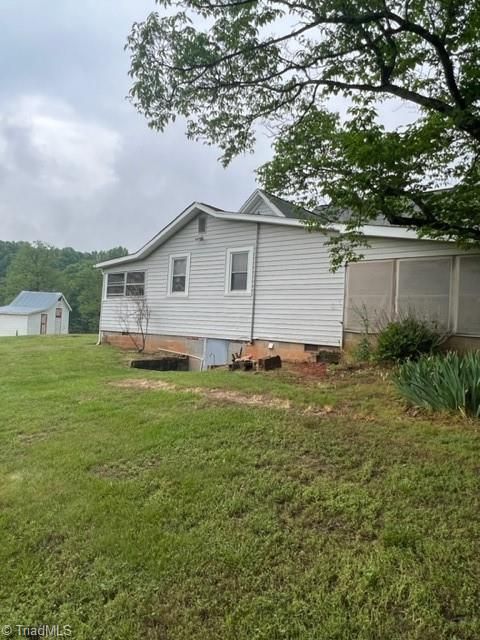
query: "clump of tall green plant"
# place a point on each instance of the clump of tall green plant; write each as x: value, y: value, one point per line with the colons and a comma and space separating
x: 442, y: 382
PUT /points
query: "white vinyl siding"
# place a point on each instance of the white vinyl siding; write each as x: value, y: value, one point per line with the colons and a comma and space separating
x: 11, y: 325
x: 206, y: 311
x: 298, y: 298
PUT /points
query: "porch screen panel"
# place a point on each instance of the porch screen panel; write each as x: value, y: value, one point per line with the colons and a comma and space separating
x: 468, y: 319
x: 424, y: 289
x: 369, y: 293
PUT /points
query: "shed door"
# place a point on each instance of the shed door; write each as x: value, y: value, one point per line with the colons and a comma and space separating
x: 43, y: 323
x: 58, y: 321
x: 216, y: 352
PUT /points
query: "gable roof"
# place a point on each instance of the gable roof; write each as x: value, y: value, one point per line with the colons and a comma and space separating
x: 266, y: 204
x: 274, y: 210
x: 28, y: 302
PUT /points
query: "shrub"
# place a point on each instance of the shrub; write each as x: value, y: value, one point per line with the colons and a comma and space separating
x: 442, y: 382
x: 407, y: 338
x: 364, y: 351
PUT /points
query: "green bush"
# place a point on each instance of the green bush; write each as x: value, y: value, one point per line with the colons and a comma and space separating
x: 407, y: 339
x: 364, y: 351
x: 442, y: 382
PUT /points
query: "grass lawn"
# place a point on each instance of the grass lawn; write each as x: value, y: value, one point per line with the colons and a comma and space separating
x: 137, y: 504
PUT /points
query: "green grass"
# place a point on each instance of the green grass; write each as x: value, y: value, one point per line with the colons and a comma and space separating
x: 131, y: 513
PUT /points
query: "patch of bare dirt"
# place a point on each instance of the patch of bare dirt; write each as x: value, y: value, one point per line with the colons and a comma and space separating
x: 221, y: 395
x: 138, y: 383
x: 124, y: 469
x: 308, y: 370
x: 32, y: 438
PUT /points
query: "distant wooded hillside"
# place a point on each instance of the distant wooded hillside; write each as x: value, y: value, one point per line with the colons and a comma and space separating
x: 41, y: 267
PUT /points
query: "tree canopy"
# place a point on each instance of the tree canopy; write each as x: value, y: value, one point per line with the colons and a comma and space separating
x: 229, y: 65
x: 40, y: 267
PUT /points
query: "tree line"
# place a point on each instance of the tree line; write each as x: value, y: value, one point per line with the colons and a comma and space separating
x: 41, y: 267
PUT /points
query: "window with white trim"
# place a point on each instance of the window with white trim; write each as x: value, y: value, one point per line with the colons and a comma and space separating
x: 239, y: 271
x: 129, y: 283
x: 468, y: 314
x: 178, y: 278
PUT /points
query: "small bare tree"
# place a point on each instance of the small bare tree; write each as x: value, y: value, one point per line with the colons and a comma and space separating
x: 134, y: 319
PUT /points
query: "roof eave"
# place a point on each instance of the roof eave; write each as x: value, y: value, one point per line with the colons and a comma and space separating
x: 372, y: 231
x: 163, y: 235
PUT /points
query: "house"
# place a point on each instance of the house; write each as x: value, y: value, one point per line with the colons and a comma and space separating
x: 215, y: 281
x: 34, y: 313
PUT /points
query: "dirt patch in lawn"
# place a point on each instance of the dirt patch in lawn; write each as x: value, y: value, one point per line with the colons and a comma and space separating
x: 223, y: 396
x: 125, y: 469
x: 32, y: 438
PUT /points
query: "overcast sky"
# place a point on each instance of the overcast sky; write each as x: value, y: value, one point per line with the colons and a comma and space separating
x: 78, y: 165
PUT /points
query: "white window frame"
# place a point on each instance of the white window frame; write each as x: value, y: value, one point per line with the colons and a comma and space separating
x: 124, y: 294
x: 228, y: 271
x: 171, y: 258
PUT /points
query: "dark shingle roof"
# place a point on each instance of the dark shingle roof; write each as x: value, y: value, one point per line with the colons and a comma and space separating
x: 288, y: 209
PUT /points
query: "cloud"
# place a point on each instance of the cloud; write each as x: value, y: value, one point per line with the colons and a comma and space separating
x: 48, y: 146
x: 78, y: 165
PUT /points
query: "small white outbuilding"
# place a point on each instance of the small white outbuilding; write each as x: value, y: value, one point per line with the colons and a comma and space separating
x: 35, y: 313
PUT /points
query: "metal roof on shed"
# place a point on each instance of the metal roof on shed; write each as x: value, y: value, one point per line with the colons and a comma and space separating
x: 28, y: 302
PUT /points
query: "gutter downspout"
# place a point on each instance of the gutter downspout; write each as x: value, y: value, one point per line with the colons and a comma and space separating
x: 99, y: 339
x: 254, y: 282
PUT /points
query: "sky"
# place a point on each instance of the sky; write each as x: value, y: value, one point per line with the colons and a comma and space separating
x: 78, y: 165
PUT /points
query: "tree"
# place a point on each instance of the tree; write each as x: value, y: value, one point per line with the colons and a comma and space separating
x: 32, y: 269
x: 227, y: 65
x: 82, y: 286
x: 40, y: 267
x: 134, y: 317
x: 8, y: 251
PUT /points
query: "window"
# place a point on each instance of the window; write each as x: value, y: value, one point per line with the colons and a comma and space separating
x: 468, y: 317
x: 424, y: 289
x: 369, y: 293
x: 115, y: 284
x: 239, y: 271
x: 202, y: 224
x: 135, y: 285
x: 131, y: 283
x: 179, y: 275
